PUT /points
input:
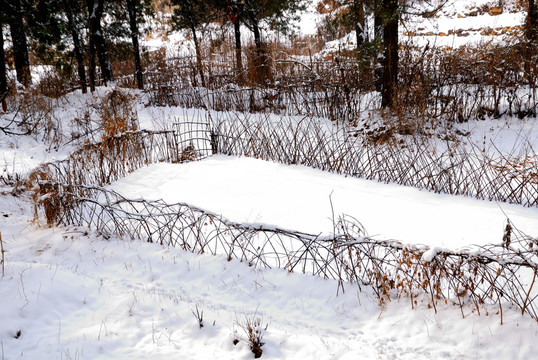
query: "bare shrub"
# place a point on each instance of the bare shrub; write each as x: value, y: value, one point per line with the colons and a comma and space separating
x: 469, y: 83
x: 118, y: 114
x: 46, y: 195
x: 55, y: 84
x: 33, y: 115
x: 260, y: 66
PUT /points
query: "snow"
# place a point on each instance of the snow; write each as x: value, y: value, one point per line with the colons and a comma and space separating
x: 506, y: 136
x: 299, y: 198
x: 74, y: 295
x: 309, y: 20
x: 69, y: 293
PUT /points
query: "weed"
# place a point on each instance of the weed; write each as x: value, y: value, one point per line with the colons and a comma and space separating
x: 118, y: 114
x: 199, y: 315
x: 252, y: 326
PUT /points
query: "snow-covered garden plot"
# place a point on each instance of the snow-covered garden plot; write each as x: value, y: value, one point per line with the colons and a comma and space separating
x: 103, y: 291
x: 477, y: 273
x: 120, y: 317
x: 253, y: 191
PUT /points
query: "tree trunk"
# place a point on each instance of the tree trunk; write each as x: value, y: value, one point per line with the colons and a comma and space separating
x: 532, y: 21
x: 95, y: 10
x: 77, y: 47
x: 131, y: 9
x: 93, y: 64
x: 260, y: 72
x: 378, y: 45
x: 257, y: 35
x: 360, y: 24
x: 3, y: 77
x: 238, y: 58
x: 390, y: 58
x: 20, y: 46
x: 199, y: 64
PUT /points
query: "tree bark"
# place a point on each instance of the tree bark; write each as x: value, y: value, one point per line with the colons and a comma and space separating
x: 199, y: 64
x: 360, y: 24
x: 532, y: 21
x: 378, y: 45
x: 3, y: 77
x: 257, y: 35
x: 92, y: 63
x: 20, y: 45
x: 95, y: 10
x: 77, y: 47
x: 390, y: 58
x: 139, y: 71
x: 238, y: 52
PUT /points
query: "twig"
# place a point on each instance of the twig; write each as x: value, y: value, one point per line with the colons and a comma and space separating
x: 2, y: 250
x: 528, y: 293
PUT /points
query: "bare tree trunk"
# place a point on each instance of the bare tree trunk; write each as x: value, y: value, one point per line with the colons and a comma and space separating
x: 139, y: 71
x: 20, y: 46
x: 378, y: 42
x: 261, y: 71
x: 238, y: 59
x: 532, y: 21
x: 199, y: 64
x: 93, y: 64
x: 360, y: 24
x: 77, y: 47
x: 390, y: 58
x: 3, y: 77
x: 257, y: 35
x: 95, y: 10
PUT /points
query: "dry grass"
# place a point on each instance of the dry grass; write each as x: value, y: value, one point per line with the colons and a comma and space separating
x: 118, y: 114
x: 252, y: 327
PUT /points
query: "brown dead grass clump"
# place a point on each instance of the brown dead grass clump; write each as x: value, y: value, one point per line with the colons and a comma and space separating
x: 118, y: 114
x: 45, y: 195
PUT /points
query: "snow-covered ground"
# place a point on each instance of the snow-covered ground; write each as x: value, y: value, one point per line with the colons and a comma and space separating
x: 455, y: 24
x: 69, y: 294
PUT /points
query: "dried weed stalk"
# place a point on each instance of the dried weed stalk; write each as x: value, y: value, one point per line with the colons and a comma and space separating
x: 118, y: 114
x: 3, y: 257
x: 252, y: 327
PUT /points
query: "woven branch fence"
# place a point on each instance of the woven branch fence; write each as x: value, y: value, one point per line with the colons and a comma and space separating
x: 492, y: 274
x: 70, y: 192
x: 457, y: 170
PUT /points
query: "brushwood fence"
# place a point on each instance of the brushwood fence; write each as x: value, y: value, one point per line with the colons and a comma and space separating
x: 457, y: 170
x: 71, y: 192
x: 480, y: 275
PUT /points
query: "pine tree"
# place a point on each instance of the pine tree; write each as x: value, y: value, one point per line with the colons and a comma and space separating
x: 277, y: 13
x: 77, y: 46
